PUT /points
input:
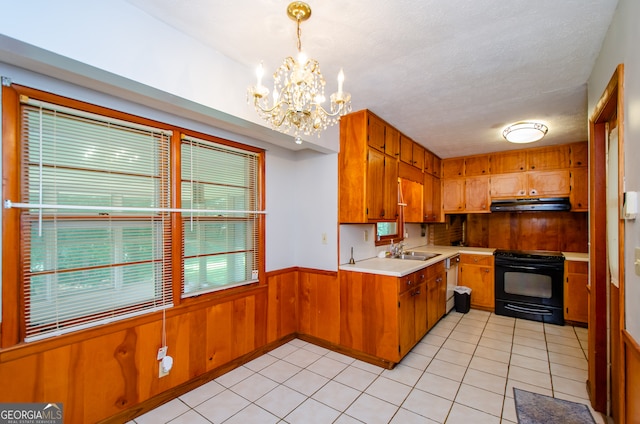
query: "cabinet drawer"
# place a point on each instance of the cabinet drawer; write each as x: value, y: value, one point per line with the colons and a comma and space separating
x: 476, y: 259
x: 434, y: 269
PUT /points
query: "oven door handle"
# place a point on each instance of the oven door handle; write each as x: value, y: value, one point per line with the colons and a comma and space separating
x: 528, y: 310
x: 531, y: 268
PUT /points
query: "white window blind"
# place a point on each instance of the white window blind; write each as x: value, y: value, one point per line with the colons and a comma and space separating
x: 92, y: 263
x: 221, y: 247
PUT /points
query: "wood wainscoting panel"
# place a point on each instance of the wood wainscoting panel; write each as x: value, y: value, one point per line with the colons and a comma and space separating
x: 631, y: 379
x: 282, y: 315
x: 556, y: 231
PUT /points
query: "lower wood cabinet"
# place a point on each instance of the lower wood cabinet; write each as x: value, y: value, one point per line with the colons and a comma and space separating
x: 477, y: 273
x: 386, y: 316
x: 576, y: 299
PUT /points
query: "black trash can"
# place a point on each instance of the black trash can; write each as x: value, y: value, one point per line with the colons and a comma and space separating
x: 462, y: 299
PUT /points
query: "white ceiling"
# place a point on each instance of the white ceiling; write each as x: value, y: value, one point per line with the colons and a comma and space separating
x: 449, y: 74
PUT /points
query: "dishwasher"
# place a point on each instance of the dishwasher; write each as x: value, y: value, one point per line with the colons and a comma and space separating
x: 451, y: 268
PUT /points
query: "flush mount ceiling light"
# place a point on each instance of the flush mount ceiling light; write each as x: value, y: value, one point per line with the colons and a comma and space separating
x: 525, y: 132
x: 298, y: 91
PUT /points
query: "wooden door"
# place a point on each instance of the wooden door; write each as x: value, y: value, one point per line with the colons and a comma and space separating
x: 477, y: 273
x: 579, y: 189
x: 421, y: 301
x: 428, y: 162
x: 576, y: 307
x: 441, y: 280
x: 477, y: 194
x: 505, y: 162
x: 452, y: 168
x: 453, y: 195
x: 375, y: 185
x: 508, y: 186
x: 432, y: 199
x: 549, y: 183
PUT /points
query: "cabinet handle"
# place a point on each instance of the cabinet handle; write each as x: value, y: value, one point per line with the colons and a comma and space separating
x: 487, y: 270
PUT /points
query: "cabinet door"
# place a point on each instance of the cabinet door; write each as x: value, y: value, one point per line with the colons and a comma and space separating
x: 579, y: 154
x: 432, y: 199
x: 428, y: 162
x: 504, y: 162
x: 555, y: 157
x: 406, y: 318
x: 452, y: 168
x: 406, y: 149
x: 476, y: 165
x: 579, y: 189
x: 390, y: 198
x: 392, y: 141
x: 433, y: 298
x: 480, y: 280
x: 376, y: 133
x: 508, y: 185
x: 453, y: 195
x: 442, y: 294
x: 412, y: 193
x: 437, y: 167
x: 477, y: 194
x: 420, y: 298
x: 575, y: 291
x: 549, y: 183
x: 418, y: 156
x: 375, y: 185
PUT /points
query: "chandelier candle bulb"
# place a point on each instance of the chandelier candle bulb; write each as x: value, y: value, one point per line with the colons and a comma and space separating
x: 298, y: 91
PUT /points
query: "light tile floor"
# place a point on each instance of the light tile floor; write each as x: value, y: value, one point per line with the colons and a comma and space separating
x: 463, y: 371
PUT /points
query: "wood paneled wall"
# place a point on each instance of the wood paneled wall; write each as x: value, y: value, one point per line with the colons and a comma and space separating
x: 110, y: 373
x: 556, y: 231
x: 631, y: 376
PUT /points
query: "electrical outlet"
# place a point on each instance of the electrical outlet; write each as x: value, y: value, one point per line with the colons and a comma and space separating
x: 324, y: 238
x: 161, y: 370
x: 366, y: 235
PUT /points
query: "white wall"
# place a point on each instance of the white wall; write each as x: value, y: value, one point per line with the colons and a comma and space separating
x: 621, y: 46
x: 111, y: 47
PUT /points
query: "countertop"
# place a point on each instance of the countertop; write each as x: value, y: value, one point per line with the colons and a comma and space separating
x: 402, y: 267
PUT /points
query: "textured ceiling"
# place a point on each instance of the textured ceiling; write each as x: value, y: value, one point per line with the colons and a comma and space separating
x: 449, y: 74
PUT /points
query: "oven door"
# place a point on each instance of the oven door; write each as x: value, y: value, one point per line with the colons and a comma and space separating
x: 527, y: 282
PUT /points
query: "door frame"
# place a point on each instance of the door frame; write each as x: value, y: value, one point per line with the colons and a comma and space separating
x: 602, y: 349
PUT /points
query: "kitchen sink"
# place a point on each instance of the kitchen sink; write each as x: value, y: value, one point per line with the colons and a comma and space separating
x: 415, y: 256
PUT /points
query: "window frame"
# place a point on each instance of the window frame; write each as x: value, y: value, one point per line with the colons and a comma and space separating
x: 13, y: 330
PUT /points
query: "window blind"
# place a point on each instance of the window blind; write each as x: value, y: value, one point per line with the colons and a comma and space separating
x: 221, y: 247
x: 85, y: 265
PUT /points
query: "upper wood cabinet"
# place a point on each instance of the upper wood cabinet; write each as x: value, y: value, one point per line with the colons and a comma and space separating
x: 452, y: 168
x: 412, y: 194
x: 476, y: 165
x: 428, y: 162
x: 554, y: 157
x: 512, y: 161
x: 437, y: 167
x: 382, y: 136
x: 477, y: 194
x: 411, y: 152
x: 549, y: 183
x: 579, y: 154
x: 367, y: 175
x: 508, y: 186
x: 432, y: 208
x: 453, y: 195
x: 579, y: 189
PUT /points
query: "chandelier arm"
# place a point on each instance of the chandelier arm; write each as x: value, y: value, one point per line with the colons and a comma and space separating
x: 275, y: 106
x: 330, y: 115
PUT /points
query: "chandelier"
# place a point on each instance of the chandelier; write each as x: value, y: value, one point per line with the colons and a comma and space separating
x: 298, y: 91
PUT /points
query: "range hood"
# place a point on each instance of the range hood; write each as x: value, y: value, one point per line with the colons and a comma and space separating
x: 531, y: 205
